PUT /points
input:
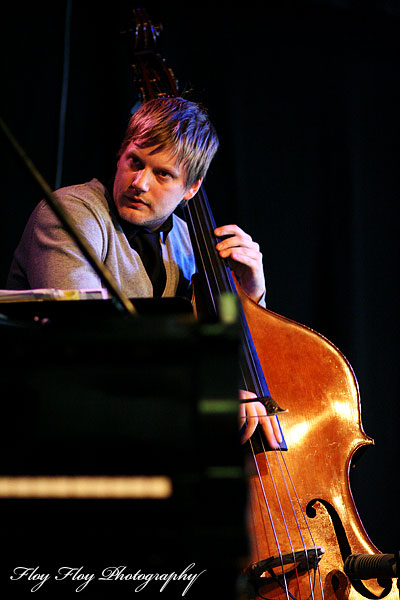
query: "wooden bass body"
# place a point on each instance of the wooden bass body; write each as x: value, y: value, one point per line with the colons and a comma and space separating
x: 301, y: 498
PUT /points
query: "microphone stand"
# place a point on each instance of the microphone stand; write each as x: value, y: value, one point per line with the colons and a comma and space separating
x: 373, y: 566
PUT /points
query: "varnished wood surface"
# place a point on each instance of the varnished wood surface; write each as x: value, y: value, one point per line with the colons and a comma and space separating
x: 305, y: 491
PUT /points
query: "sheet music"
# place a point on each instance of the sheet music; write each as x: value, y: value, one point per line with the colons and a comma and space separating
x: 52, y: 294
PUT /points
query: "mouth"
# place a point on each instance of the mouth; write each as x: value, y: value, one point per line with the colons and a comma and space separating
x: 135, y: 201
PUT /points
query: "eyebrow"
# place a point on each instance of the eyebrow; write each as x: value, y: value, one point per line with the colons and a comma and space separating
x: 172, y: 169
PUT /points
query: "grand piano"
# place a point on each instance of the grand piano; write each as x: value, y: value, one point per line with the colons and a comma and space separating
x: 119, y: 448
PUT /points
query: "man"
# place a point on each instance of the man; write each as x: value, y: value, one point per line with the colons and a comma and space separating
x: 163, y: 159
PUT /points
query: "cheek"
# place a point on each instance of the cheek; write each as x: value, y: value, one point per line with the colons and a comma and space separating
x: 119, y: 182
x: 175, y: 194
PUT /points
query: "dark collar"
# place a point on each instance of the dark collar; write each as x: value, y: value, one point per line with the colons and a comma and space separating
x: 131, y: 231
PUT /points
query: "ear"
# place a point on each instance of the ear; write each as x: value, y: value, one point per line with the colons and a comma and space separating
x: 190, y: 192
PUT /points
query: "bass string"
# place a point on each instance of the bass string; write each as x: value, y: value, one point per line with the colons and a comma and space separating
x: 199, y: 212
x: 203, y: 230
x: 282, y: 460
x: 279, y: 457
x: 270, y: 517
x: 218, y: 277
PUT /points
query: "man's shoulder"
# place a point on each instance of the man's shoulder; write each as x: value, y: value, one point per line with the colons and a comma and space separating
x: 78, y: 200
x: 89, y: 192
x: 86, y: 204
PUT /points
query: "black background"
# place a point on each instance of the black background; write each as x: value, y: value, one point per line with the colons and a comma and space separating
x: 305, y: 97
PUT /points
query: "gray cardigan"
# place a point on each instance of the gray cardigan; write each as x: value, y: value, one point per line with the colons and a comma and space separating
x: 46, y: 256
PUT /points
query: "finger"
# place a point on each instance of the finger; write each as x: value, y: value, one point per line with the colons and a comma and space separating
x: 238, y: 241
x: 252, y: 423
x: 230, y: 230
x: 244, y: 256
x: 263, y: 415
x: 252, y: 253
x: 250, y: 415
x: 276, y: 429
x: 269, y: 432
x: 246, y: 395
x: 269, y: 424
x: 242, y: 415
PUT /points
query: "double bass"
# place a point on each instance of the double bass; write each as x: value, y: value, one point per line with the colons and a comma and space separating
x: 306, y: 538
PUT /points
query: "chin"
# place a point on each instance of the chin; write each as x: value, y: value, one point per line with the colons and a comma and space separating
x: 132, y: 216
x: 127, y: 216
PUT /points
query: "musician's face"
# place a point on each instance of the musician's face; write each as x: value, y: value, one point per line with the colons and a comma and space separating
x: 148, y: 186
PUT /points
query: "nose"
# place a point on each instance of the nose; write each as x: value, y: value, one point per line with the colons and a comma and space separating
x: 141, y: 180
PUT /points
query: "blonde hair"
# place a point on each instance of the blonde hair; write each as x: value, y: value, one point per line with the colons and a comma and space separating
x: 179, y: 125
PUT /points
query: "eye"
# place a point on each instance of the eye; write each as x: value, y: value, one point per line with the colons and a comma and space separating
x: 135, y: 163
x: 164, y: 175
